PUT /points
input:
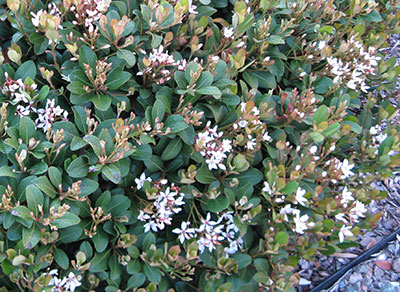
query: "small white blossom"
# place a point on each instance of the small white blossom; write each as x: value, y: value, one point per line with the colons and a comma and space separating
x: 300, y: 197
x: 228, y: 32
x: 184, y: 232
x: 140, y: 181
x: 344, y: 231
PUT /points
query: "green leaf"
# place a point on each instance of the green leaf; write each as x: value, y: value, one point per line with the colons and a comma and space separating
x: 34, y: 197
x: 119, y: 204
x: 95, y: 143
x: 252, y: 176
x: 275, y: 40
x: 30, y: 237
x: 127, y: 56
x: 45, y: 186
x: 290, y: 187
x: 265, y: 79
x: 100, y: 240
x: 116, y: 79
x: 76, y: 87
x: 180, y: 80
x: 61, y: 258
x: 332, y: 129
x: 246, y: 24
x: 243, y: 260
x: 205, y: 80
x: 142, y: 152
x: 88, y: 186
x: 148, y: 240
x: 176, y: 123
x: 136, y: 280
x: 322, y: 85
x: 55, y: 176
x: 172, y: 150
x: 112, y: 173
x: 218, y: 205
x: 87, y: 56
x: 210, y: 90
x: 77, y: 143
x: 69, y: 219
x: 204, y: 175
x: 153, y: 274
x: 27, y: 69
x: 99, y: 262
x: 101, y: 101
x: 22, y: 212
x: 7, y: 171
x: 78, y: 168
x: 80, y: 118
x: 282, y: 238
x: 187, y: 135
x: 317, y: 137
x: 158, y: 111
x: 321, y: 114
x: 26, y: 129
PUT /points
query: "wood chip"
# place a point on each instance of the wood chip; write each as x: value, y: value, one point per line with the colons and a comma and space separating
x: 384, y: 265
x: 345, y: 255
x: 371, y: 243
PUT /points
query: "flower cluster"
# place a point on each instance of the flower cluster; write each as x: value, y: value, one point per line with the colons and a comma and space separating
x: 87, y: 12
x: 48, y: 22
x: 211, y: 233
x: 354, y: 68
x: 48, y: 115
x: 18, y: 90
x: 160, y: 213
x: 211, y: 145
x: 301, y: 221
x: 66, y: 284
x: 249, y: 130
x: 156, y: 65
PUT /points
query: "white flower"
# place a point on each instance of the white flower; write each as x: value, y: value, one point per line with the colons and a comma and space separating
x: 184, y: 232
x: 300, y: 197
x: 150, y: 225
x: 192, y: 8
x: 287, y: 210
x: 251, y: 143
x: 358, y: 211
x: 140, y: 181
x: 243, y: 123
x: 72, y: 282
x: 346, y: 197
x: 344, y: 231
x: 346, y: 169
x: 267, y: 137
x: 228, y: 32
x: 321, y: 45
x: 301, y: 223
x: 313, y: 150
x: 267, y: 188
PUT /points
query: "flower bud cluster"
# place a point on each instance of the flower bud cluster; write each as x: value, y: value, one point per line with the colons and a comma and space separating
x: 354, y: 66
x: 211, y: 146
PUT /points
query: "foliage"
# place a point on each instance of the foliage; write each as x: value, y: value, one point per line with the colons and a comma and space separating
x: 176, y: 145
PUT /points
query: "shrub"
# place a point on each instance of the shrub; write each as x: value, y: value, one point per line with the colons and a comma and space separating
x: 177, y: 145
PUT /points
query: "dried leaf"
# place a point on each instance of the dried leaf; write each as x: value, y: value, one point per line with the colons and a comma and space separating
x: 345, y: 255
x: 384, y: 265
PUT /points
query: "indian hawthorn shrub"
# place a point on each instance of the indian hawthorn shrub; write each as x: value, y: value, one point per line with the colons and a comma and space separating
x: 189, y: 145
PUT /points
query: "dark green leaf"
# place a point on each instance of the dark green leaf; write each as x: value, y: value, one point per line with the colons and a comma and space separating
x: 30, y: 237
x: 78, y: 168
x: 87, y: 56
x: 176, y: 123
x: 69, y: 219
x: 34, y: 197
x: 61, y: 258
x: 27, y: 69
x: 26, y: 129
